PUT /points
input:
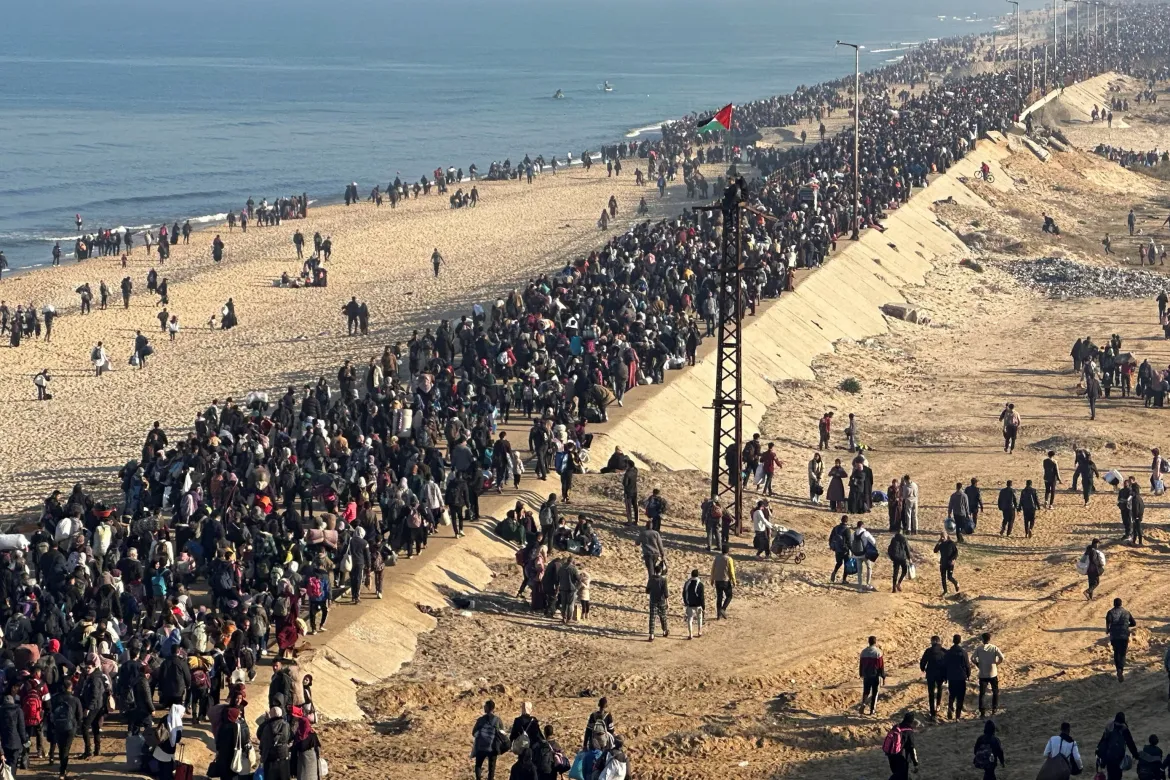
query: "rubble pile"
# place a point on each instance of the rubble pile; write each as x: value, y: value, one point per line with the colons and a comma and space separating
x: 1058, y: 277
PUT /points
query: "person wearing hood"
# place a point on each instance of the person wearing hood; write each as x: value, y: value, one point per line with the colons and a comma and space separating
x: 988, y: 751
x: 232, y: 733
x: 275, y: 745
x: 1114, y: 743
x: 13, y: 734
x: 307, y: 746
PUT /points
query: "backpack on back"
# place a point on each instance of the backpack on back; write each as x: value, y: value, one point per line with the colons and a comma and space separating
x: 1114, y: 743
x: 984, y: 757
x: 892, y: 744
x: 62, y: 717
x: 33, y: 708
x: 485, y: 738
x: 315, y: 589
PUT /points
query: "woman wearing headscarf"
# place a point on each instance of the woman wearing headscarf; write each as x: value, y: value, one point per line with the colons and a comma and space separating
x: 306, y: 748
x: 288, y: 631
x: 231, y: 735
x: 526, y: 723
x: 164, y: 754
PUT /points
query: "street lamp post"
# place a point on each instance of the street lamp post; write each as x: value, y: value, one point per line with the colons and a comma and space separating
x: 1019, y: 84
x: 856, y: 234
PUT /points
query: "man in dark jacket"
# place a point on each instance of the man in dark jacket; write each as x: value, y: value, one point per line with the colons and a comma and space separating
x: 1137, y: 513
x: 13, y: 735
x: 484, y: 740
x: 1029, y: 505
x: 280, y: 689
x: 934, y: 665
x: 1008, y: 504
x: 958, y: 670
x: 1118, y: 622
x: 93, y: 706
x: 64, y: 720
x: 948, y: 553
x: 974, y: 501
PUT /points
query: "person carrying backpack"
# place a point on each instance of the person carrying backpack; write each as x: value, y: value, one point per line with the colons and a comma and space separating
x: 550, y: 759
x: 275, y: 745
x: 1150, y: 763
x: 988, y: 751
x: 34, y: 696
x: 488, y: 740
x: 1114, y: 743
x: 899, y: 748
x: 64, y: 719
x: 318, y: 591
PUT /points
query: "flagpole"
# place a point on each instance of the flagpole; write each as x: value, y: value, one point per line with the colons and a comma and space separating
x: 856, y: 234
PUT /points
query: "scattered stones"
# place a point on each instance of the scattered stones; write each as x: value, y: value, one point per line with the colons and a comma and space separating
x: 1059, y: 277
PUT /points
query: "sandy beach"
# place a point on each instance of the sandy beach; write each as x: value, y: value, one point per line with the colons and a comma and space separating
x: 92, y: 426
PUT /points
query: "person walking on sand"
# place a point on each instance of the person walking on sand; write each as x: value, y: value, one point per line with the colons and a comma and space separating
x: 958, y: 670
x: 1010, y: 420
x: 436, y: 261
x: 141, y: 348
x: 1092, y: 565
x: 987, y: 658
x: 723, y: 578
x: 1029, y: 505
x: 1062, y: 756
x: 694, y: 601
x: 898, y: 552
x: 650, y: 542
x: 1008, y: 504
x: 872, y: 670
x: 488, y: 736
x: 1051, y: 479
x: 908, y: 491
x: 933, y: 665
x: 988, y: 751
x: 658, y: 591
x: 1137, y: 514
x: 1118, y: 622
x: 1113, y: 745
x: 100, y: 360
x: 948, y: 553
x: 864, y: 546
x: 900, y: 750
x: 824, y: 428
x: 839, y: 543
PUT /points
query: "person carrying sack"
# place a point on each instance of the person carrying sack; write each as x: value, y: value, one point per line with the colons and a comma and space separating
x: 1062, y: 757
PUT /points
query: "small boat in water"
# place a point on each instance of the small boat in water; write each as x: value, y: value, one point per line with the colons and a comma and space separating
x: 607, y: 87
x: 558, y: 95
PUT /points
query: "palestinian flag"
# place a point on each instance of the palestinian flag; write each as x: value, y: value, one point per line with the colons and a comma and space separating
x: 720, y: 120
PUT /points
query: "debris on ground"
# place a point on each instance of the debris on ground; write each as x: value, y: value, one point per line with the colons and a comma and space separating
x: 1059, y: 277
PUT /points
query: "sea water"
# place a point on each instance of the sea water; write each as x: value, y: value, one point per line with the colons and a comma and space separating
x: 139, y: 112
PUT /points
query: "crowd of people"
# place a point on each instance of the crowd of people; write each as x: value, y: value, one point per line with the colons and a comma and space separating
x: 1132, y: 159
x: 235, y: 539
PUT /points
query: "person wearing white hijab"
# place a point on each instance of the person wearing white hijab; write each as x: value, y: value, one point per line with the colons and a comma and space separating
x: 165, y: 752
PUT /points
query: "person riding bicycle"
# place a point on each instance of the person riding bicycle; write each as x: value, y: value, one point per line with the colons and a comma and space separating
x: 984, y: 169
